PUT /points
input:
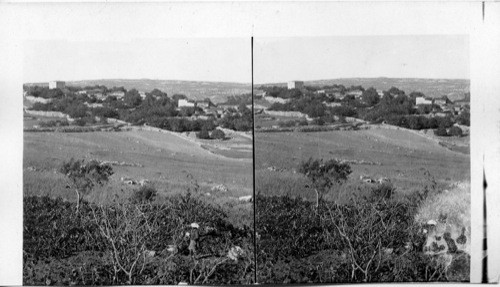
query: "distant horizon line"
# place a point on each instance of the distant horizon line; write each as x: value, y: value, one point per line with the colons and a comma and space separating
x: 243, y: 83
x: 347, y: 78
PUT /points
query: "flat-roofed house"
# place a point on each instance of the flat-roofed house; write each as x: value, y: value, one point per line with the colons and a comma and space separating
x: 185, y: 103
x: 440, y: 102
x: 57, y: 85
x: 203, y: 104
x: 355, y: 93
x: 423, y: 101
x: 295, y: 85
x: 117, y: 94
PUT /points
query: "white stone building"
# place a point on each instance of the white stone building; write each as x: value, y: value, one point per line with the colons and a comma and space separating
x: 57, y: 85
x: 185, y: 103
x: 295, y: 85
x: 423, y: 101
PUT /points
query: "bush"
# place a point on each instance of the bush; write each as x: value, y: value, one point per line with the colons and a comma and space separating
x: 340, y: 243
x: 218, y: 134
x: 441, y: 131
x: 384, y: 190
x: 455, y: 131
x: 113, y: 244
x: 203, y: 134
x: 80, y: 122
x: 318, y: 121
x: 56, y: 123
x: 144, y: 194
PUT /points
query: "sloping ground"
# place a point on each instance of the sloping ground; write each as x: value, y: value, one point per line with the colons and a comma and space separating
x: 400, y: 155
x: 165, y: 160
x: 237, y: 145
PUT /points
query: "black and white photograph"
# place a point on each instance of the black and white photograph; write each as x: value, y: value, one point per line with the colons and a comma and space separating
x: 249, y: 142
x: 362, y: 160
x: 132, y: 180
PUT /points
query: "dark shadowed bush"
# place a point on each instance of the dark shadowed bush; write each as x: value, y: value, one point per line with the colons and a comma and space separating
x: 218, y: 134
x: 100, y: 243
x: 144, y: 194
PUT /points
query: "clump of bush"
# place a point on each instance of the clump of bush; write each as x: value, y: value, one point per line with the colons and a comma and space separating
x: 207, y: 135
x: 453, y: 131
x: 144, y: 194
x: 218, y: 134
x: 358, y: 242
x: 54, y: 123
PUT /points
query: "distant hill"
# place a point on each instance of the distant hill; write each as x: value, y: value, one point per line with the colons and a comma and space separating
x: 455, y: 89
x: 216, y: 91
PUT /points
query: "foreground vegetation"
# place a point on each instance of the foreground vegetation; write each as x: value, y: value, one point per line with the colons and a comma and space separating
x: 141, y: 239
x: 137, y: 242
x: 368, y: 237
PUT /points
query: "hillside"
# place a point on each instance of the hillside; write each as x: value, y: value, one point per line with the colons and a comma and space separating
x: 165, y: 159
x: 455, y: 89
x: 197, y: 90
x: 399, y: 154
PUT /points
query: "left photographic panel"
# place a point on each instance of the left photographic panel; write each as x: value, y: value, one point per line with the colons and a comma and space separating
x: 137, y: 162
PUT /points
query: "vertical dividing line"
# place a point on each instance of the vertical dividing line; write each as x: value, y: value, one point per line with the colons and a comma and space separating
x: 483, y: 11
x: 484, y: 278
x: 253, y: 174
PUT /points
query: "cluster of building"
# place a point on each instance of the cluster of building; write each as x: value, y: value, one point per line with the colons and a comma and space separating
x: 447, y: 108
x: 207, y: 107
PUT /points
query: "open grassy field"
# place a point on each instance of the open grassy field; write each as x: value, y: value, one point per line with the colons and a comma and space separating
x: 400, y: 155
x: 166, y: 160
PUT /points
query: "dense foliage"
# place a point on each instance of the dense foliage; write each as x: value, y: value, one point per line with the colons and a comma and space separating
x: 44, y: 92
x: 370, y: 239
x: 131, y: 243
x: 241, y: 120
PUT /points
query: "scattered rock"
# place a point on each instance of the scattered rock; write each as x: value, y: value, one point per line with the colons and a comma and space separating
x: 247, y: 198
x: 219, y: 188
x: 235, y: 252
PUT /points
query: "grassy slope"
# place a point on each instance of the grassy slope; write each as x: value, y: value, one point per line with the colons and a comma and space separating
x: 166, y: 161
x: 403, y: 157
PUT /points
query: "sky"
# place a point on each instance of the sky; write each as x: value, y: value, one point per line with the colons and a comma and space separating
x: 229, y: 59
x: 316, y: 58
x: 196, y: 59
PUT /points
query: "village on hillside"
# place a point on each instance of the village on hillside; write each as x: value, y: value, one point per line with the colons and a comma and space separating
x: 98, y: 107
x: 299, y: 105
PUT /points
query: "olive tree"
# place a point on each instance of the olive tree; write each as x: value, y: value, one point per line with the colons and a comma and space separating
x: 84, y: 177
x: 323, y: 174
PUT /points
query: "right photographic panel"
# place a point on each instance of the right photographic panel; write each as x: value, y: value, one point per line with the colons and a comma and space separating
x: 362, y: 159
